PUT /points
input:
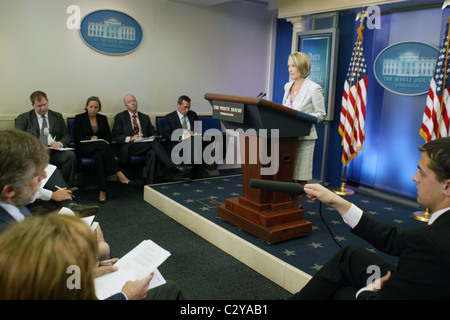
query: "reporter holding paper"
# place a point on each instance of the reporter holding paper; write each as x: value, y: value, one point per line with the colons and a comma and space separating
x: 55, y: 257
x: 92, y: 136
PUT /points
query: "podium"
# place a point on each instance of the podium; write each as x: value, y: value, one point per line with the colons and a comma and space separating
x: 268, y: 215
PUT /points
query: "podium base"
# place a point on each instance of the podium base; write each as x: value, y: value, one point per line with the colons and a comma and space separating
x: 271, y: 234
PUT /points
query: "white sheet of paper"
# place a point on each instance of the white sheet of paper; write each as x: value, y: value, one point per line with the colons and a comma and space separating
x: 136, y: 264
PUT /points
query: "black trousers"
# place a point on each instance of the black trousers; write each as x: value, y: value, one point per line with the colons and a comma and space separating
x: 154, y: 152
x: 105, y: 163
x: 342, y: 276
x: 195, y: 146
x: 66, y: 161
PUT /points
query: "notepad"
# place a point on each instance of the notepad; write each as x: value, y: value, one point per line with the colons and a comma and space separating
x: 144, y: 259
x: 148, y: 139
x: 96, y: 140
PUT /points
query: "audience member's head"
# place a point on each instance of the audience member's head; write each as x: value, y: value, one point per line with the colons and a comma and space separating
x: 39, y: 101
x: 93, y: 102
x: 439, y: 153
x: 433, y: 175
x: 130, y: 103
x: 23, y: 159
x: 48, y: 257
x: 184, y: 104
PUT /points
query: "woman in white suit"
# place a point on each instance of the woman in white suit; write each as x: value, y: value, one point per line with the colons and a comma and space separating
x: 304, y: 95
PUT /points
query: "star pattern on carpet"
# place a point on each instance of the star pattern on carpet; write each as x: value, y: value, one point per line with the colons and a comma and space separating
x: 308, y: 253
x: 338, y: 238
x: 315, y: 245
x: 289, y: 252
x: 316, y: 267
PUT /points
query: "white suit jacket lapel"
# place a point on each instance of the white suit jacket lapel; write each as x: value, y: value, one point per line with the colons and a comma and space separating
x: 298, y: 101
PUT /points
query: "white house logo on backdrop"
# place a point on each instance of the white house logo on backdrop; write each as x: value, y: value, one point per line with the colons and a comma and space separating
x: 111, y: 32
x: 406, y: 67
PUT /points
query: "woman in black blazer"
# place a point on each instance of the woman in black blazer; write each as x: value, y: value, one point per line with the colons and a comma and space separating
x: 93, y: 126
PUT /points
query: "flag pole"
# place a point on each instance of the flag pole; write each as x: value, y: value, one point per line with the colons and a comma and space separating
x: 343, y: 190
x: 424, y: 216
x: 438, y: 135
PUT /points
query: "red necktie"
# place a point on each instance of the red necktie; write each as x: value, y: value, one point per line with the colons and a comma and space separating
x: 135, y: 126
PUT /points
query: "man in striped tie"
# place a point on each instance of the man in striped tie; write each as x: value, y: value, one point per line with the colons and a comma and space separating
x: 129, y: 130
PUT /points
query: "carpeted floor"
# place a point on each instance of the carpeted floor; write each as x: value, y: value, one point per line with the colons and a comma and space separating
x: 202, y: 271
x: 307, y: 253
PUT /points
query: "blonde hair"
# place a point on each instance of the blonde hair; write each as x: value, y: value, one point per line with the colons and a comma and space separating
x: 302, y: 62
x: 35, y: 255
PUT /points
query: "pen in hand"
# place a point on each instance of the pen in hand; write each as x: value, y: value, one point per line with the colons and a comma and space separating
x: 59, y: 188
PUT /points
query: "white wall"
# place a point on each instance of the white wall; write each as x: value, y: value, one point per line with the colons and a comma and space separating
x: 186, y: 49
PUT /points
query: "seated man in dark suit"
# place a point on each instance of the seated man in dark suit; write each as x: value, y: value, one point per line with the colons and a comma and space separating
x: 179, y: 128
x: 424, y: 253
x: 23, y: 160
x: 55, y: 194
x: 51, y: 128
x: 129, y: 127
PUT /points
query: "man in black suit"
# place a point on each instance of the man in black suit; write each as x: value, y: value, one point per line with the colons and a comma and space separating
x: 23, y: 160
x: 51, y: 128
x: 424, y: 253
x: 179, y: 128
x: 129, y: 127
x: 22, y: 167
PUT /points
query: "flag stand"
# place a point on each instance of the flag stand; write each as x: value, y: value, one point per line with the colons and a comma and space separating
x: 423, y: 216
x: 343, y: 191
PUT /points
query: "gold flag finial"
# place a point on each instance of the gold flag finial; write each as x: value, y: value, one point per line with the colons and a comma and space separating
x: 363, y: 14
x: 445, y: 4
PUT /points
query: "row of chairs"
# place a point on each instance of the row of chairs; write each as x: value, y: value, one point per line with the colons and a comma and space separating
x: 208, y: 122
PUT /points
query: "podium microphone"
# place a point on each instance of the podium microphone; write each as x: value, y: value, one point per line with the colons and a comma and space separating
x: 278, y: 186
x: 264, y: 94
x: 260, y: 94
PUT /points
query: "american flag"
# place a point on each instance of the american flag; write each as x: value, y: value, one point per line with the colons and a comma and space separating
x: 353, y: 108
x: 436, y: 116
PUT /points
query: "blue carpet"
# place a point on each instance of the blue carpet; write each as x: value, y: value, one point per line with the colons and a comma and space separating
x: 307, y: 253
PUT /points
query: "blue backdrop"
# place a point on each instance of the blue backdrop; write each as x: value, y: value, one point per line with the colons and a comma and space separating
x: 389, y: 157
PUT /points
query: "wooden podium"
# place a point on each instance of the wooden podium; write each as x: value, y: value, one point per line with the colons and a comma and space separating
x: 269, y: 215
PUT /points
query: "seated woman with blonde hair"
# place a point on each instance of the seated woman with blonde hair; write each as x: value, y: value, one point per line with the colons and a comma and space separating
x: 39, y: 255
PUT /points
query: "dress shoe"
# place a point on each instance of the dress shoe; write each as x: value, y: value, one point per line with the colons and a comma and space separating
x: 128, y: 182
x: 83, y: 211
x: 186, y: 173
